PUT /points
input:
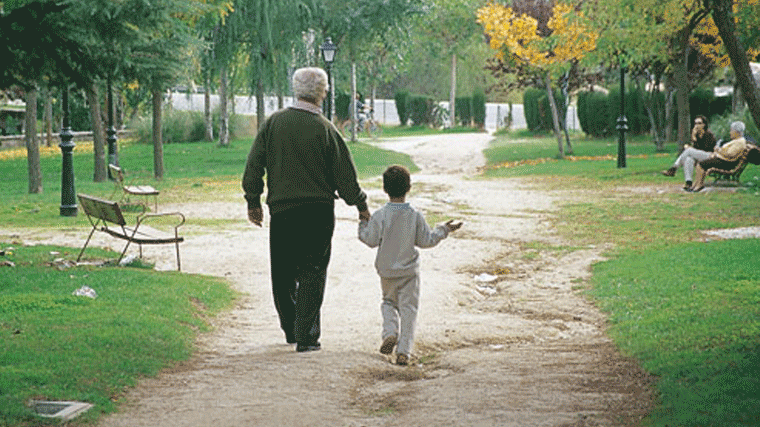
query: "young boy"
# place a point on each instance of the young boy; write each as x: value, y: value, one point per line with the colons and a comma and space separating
x: 397, y: 228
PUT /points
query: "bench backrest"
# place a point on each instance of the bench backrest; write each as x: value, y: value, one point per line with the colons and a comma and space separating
x: 117, y: 174
x: 105, y: 210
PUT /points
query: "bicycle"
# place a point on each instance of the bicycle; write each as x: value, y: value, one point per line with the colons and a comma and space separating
x: 364, y: 123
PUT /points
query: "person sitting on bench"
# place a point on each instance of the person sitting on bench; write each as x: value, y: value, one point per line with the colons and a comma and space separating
x: 702, y: 146
x: 725, y: 157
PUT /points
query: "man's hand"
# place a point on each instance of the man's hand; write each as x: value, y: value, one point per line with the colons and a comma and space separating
x: 453, y: 226
x: 256, y: 215
x: 364, y: 215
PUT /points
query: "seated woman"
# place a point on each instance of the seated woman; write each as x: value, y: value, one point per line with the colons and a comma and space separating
x: 724, y: 157
x: 702, y: 146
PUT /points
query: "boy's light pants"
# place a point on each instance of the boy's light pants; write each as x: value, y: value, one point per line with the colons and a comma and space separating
x: 401, y: 297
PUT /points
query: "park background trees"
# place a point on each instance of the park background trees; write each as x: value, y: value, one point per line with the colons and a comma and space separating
x: 251, y: 46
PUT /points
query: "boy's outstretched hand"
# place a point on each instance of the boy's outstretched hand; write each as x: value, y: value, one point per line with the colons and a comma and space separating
x: 453, y: 226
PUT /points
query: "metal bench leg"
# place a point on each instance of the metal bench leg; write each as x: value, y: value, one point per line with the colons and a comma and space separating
x: 85, y: 244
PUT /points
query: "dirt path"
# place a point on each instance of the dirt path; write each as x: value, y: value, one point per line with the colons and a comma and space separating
x: 526, y: 349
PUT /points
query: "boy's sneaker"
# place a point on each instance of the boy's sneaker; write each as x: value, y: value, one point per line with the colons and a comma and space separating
x: 388, y: 344
x: 402, y: 359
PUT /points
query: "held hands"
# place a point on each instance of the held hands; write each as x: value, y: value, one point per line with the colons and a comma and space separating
x: 364, y: 215
x: 453, y: 226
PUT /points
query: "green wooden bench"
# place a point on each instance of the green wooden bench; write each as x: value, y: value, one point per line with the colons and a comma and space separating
x: 107, y: 216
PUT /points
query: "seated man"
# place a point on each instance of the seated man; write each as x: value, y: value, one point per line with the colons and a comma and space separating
x: 702, y: 146
x: 724, y: 157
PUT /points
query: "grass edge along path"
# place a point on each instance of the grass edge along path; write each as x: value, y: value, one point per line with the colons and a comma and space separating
x: 687, y: 308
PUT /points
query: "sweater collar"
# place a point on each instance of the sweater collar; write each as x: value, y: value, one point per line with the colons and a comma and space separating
x: 307, y: 106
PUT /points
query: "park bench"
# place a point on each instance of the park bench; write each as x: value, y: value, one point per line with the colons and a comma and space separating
x: 751, y: 154
x: 107, y: 216
x: 117, y: 174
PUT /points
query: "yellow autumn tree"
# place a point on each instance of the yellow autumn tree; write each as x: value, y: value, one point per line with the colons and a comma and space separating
x: 518, y: 41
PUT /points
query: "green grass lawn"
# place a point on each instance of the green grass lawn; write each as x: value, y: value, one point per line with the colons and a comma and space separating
x: 55, y: 346
x: 686, y: 306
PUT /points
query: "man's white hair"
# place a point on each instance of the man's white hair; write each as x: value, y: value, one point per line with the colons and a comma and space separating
x: 309, y: 83
x: 738, y: 127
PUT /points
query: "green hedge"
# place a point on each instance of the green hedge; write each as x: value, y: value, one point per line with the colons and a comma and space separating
x: 402, y: 99
x: 538, y: 113
x: 342, y: 103
x: 593, y: 113
x: 464, y: 110
x: 421, y: 109
x: 635, y: 113
x: 479, y: 108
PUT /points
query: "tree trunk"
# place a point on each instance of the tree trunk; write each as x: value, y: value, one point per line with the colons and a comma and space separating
x: 158, y: 138
x: 453, y: 93
x: 555, y: 116
x: 224, y: 119
x: 563, y: 118
x: 100, y: 172
x: 47, y: 116
x: 207, y: 116
x: 681, y: 76
x: 32, y: 143
x: 723, y: 16
x: 261, y: 113
x: 353, y: 102
x: 669, y: 111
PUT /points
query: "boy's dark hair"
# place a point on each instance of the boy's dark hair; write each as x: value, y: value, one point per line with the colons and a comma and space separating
x: 397, y: 181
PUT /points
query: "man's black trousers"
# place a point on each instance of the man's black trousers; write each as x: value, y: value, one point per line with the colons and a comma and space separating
x: 300, y: 242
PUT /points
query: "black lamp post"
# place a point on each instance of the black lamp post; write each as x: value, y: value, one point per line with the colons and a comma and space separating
x: 622, y: 121
x: 68, y: 193
x: 113, y: 158
x: 328, y: 55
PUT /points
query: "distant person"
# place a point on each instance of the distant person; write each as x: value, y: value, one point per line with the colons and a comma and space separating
x: 306, y: 162
x: 702, y: 145
x: 725, y: 157
x: 396, y: 229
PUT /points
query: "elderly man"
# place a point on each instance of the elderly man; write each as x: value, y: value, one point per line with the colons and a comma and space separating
x: 306, y: 163
x: 724, y: 157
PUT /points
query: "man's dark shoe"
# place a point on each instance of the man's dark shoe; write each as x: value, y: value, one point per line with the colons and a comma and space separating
x: 303, y: 347
x: 290, y: 338
x: 670, y: 172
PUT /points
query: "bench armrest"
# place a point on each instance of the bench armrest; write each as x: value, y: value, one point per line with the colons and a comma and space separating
x: 147, y: 216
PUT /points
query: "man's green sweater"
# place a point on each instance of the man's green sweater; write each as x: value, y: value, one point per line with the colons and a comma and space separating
x: 305, y: 160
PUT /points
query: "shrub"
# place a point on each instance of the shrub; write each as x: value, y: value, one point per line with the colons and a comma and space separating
x: 464, y: 110
x: 635, y: 113
x: 531, y: 98
x: 342, y: 103
x: 593, y: 113
x: 721, y: 124
x: 187, y: 126
x: 401, y: 99
x: 421, y: 109
x: 479, y: 108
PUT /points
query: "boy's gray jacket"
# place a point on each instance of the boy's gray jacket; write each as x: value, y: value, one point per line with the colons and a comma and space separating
x: 397, y: 228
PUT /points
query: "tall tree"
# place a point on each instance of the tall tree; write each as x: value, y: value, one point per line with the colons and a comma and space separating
x: 273, y: 30
x: 542, y: 49
x: 355, y: 25
x: 28, y: 26
x: 725, y: 19
x: 450, y: 29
